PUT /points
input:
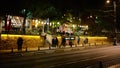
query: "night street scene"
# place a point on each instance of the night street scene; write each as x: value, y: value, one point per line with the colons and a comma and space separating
x: 60, y: 34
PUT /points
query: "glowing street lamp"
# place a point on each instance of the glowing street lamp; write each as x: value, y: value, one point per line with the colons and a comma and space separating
x: 108, y: 1
x: 115, y: 6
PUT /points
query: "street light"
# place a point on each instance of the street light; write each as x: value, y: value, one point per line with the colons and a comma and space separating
x: 114, y: 4
x: 115, y: 38
x: 108, y: 1
x: 115, y: 29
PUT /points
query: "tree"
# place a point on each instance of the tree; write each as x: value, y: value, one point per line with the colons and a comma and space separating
x: 26, y: 14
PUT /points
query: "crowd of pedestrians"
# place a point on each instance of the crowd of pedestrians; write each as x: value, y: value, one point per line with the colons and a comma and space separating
x: 71, y: 41
x: 55, y: 42
x: 60, y: 43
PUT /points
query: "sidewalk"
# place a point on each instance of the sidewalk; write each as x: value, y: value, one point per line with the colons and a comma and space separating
x: 46, y: 50
x: 53, y: 49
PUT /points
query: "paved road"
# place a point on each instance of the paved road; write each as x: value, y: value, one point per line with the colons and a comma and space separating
x: 88, y: 58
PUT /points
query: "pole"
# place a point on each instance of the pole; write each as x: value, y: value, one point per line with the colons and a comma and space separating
x: 43, y: 27
x: 0, y: 31
x: 47, y: 22
x: 114, y: 4
x: 100, y: 64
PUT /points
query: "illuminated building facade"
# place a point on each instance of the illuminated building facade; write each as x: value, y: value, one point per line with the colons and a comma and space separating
x: 14, y: 25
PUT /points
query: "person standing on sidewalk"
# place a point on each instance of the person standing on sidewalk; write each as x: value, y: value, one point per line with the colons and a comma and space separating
x: 85, y: 41
x: 63, y: 41
x: 70, y: 42
x: 78, y: 40
x: 56, y: 40
x: 19, y: 43
x: 53, y: 42
x: 115, y: 41
x: 44, y: 37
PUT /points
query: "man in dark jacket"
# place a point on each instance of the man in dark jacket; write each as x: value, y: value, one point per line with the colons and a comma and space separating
x: 19, y: 43
x: 63, y: 41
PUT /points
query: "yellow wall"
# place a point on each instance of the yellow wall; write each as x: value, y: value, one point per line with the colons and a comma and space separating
x: 9, y: 41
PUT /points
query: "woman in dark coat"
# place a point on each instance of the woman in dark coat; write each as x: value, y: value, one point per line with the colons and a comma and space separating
x: 63, y: 41
x: 56, y: 40
x: 70, y: 42
x: 19, y: 43
x: 53, y: 42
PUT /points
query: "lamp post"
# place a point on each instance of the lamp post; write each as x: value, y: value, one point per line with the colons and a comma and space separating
x: 115, y: 29
x: 115, y: 38
x: 0, y: 31
x: 114, y: 4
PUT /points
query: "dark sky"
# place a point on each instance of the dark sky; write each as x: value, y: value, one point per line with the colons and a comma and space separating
x: 9, y: 7
x: 59, y: 3
x: 16, y: 5
x: 79, y: 3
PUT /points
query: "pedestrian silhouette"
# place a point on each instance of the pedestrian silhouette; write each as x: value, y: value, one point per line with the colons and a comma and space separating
x: 70, y: 42
x: 78, y: 41
x: 85, y: 41
x: 53, y: 42
x: 63, y: 41
x: 19, y: 43
x: 44, y: 37
x: 115, y: 41
x: 56, y: 40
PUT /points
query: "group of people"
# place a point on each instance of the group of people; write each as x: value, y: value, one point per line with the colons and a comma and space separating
x: 77, y: 40
x: 64, y: 41
x: 55, y: 42
x: 70, y: 41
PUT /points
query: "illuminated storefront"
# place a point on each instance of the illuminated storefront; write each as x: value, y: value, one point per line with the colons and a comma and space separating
x: 73, y: 28
x: 14, y: 24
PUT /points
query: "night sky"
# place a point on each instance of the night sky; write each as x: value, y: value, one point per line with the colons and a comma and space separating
x: 79, y: 3
x: 12, y: 6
